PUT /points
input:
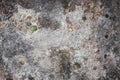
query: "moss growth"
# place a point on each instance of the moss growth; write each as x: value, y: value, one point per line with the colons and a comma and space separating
x: 94, y: 8
x: 85, y: 58
x: 34, y: 28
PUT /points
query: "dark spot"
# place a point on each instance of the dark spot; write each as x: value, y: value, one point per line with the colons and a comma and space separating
x: 83, y: 77
x: 28, y: 23
x: 113, y: 18
x: 70, y: 4
x: 118, y: 3
x: 51, y: 77
x: 98, y: 50
x: 77, y: 65
x: 105, y: 56
x: 9, y: 79
x: 30, y: 77
x: 106, y: 36
x: 117, y: 51
x: 65, y: 3
x: 47, y: 22
x: 95, y: 67
x: 84, y: 18
x: 101, y: 78
x: 101, y: 6
x: 106, y: 15
x: 104, y: 67
x: 9, y: 76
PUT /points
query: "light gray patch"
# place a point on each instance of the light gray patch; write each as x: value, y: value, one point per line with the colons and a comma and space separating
x: 12, y: 43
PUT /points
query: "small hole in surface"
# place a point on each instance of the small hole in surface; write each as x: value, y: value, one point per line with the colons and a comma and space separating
x: 118, y: 3
x: 106, y: 36
x: 107, y: 16
x: 105, y: 56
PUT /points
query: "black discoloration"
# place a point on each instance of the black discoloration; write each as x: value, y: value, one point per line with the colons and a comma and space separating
x: 106, y: 15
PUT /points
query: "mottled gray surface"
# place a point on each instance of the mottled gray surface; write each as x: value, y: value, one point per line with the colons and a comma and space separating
x: 74, y: 40
x: 109, y: 39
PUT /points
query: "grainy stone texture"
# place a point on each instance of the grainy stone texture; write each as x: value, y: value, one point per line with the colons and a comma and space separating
x: 59, y: 40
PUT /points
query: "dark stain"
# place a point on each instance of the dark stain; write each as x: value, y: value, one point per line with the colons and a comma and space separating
x: 77, y: 65
x: 70, y: 4
x: 106, y: 36
x: 65, y: 3
x: 51, y: 77
x: 95, y: 68
x: 84, y: 18
x: 106, y: 15
x: 7, y: 8
x: 64, y: 64
x: 30, y: 77
x: 105, y: 56
x: 47, y: 22
x: 116, y: 51
x: 9, y: 79
x: 9, y: 76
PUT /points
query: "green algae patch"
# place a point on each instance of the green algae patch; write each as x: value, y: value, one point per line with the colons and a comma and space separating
x: 34, y: 28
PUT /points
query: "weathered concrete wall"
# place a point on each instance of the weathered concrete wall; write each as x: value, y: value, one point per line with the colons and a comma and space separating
x: 59, y: 40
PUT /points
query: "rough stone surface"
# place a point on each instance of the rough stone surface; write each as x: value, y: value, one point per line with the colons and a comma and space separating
x: 72, y: 40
